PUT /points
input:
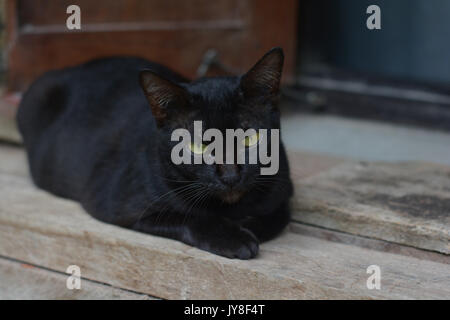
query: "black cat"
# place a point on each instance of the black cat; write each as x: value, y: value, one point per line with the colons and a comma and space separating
x: 91, y: 137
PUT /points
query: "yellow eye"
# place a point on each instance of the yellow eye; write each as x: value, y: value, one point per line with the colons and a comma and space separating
x: 251, y: 140
x: 197, y: 148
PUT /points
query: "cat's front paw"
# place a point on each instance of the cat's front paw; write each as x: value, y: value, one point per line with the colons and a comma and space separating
x: 226, y: 239
x: 240, y: 245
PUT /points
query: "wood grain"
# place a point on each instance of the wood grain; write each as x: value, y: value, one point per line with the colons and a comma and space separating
x: 54, y: 233
x: 406, y: 203
x: 21, y: 281
x: 372, y: 200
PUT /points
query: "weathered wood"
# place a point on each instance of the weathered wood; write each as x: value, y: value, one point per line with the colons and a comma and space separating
x: 406, y: 203
x: 175, y: 33
x: 368, y: 243
x: 54, y: 233
x: 323, y: 200
x: 27, y: 282
x: 307, y: 164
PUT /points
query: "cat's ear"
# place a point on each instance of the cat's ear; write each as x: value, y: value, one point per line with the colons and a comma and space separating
x: 263, y: 80
x: 163, y: 95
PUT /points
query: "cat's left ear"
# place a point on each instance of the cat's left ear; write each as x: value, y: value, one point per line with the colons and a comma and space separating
x: 263, y: 80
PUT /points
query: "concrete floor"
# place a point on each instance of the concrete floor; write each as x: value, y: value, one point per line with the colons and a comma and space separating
x: 364, y: 139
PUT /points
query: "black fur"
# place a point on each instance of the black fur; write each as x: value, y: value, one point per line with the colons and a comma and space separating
x: 91, y: 136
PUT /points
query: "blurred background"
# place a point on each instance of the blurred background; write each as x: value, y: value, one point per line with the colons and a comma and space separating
x: 365, y: 121
x: 347, y: 91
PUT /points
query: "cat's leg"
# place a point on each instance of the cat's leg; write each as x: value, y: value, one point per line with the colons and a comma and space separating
x: 218, y: 235
x: 268, y: 226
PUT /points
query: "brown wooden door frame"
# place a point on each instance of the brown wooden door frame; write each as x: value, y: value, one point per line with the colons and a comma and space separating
x: 253, y: 28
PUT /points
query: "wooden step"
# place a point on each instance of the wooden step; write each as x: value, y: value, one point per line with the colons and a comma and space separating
x: 40, y: 229
x: 21, y: 281
x: 405, y: 203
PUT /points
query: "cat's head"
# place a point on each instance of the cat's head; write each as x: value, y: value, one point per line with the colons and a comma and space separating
x: 242, y: 102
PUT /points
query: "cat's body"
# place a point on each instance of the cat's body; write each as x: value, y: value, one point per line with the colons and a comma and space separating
x: 91, y: 136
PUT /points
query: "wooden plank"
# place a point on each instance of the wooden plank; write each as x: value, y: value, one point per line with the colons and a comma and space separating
x: 26, y: 282
x: 54, y: 233
x: 323, y: 200
x: 368, y: 243
x: 406, y: 203
x: 306, y: 164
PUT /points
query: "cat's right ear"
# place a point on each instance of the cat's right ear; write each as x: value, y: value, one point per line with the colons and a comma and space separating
x: 163, y: 95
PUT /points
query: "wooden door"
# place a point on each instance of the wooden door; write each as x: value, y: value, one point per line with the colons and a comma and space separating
x: 176, y: 33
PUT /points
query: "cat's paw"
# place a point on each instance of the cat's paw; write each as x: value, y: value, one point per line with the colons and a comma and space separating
x: 228, y: 240
x: 241, y: 244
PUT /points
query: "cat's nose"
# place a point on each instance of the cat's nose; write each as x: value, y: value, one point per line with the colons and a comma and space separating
x: 229, y: 174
